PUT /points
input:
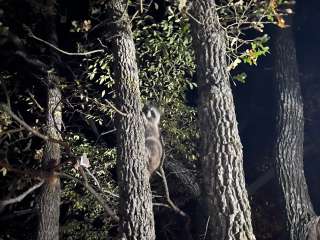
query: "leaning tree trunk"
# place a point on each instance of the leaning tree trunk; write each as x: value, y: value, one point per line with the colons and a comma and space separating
x: 302, y: 222
x: 136, y: 213
x: 49, y: 198
x: 223, y: 188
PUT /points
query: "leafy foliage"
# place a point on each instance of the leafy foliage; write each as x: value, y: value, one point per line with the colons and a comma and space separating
x: 166, y: 69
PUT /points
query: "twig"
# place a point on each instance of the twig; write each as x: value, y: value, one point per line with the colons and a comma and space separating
x: 93, y: 177
x: 116, y: 109
x: 193, y: 18
x: 134, y: 16
x: 21, y: 196
x: 103, y: 45
x: 206, y: 230
x: 170, y: 202
x: 165, y: 184
x: 111, y: 105
x: 141, y: 6
x: 111, y: 194
x: 30, y: 33
x: 161, y: 205
x: 104, y: 133
x: 11, y: 131
x: 35, y: 101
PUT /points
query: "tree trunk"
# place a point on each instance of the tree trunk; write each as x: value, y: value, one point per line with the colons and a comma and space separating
x: 136, y: 213
x: 302, y: 222
x: 223, y: 188
x: 49, y: 198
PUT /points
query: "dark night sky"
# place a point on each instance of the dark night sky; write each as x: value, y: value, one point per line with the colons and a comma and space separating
x: 255, y: 104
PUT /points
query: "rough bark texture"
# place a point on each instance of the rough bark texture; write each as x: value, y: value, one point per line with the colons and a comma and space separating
x: 223, y: 187
x: 49, y: 198
x: 301, y: 220
x: 136, y: 213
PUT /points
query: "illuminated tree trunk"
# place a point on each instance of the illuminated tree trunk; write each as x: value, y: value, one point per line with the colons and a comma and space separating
x: 223, y: 188
x: 302, y: 222
x: 136, y: 213
x: 49, y: 198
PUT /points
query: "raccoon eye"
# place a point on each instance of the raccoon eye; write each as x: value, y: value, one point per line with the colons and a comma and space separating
x: 153, y: 113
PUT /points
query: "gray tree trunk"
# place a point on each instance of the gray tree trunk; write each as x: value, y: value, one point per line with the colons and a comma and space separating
x: 49, y: 198
x: 302, y: 222
x: 136, y: 213
x: 223, y: 188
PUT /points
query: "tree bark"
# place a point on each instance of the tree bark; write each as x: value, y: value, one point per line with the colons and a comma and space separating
x: 223, y: 188
x: 136, y: 213
x: 301, y: 220
x: 49, y: 198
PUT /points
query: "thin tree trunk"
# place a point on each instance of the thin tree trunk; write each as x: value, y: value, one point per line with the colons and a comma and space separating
x: 49, y: 198
x: 136, y: 213
x: 223, y: 187
x: 301, y: 220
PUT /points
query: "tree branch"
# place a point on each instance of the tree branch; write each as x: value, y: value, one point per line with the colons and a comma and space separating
x: 19, y: 198
x: 6, y: 109
x: 170, y: 202
x: 30, y: 34
x: 44, y: 174
x: 107, y: 209
x: 165, y: 184
x: 34, y: 100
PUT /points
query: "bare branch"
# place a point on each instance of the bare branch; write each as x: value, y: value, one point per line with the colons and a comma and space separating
x: 43, y: 174
x: 6, y: 109
x: 104, y: 133
x: 30, y: 33
x: 170, y: 202
x: 116, y: 109
x: 206, y: 230
x: 21, y: 196
x: 11, y: 131
x: 161, y: 205
x: 165, y: 184
x: 111, y: 105
x: 94, y: 178
x: 107, y: 209
x: 101, y: 43
x: 35, y: 101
